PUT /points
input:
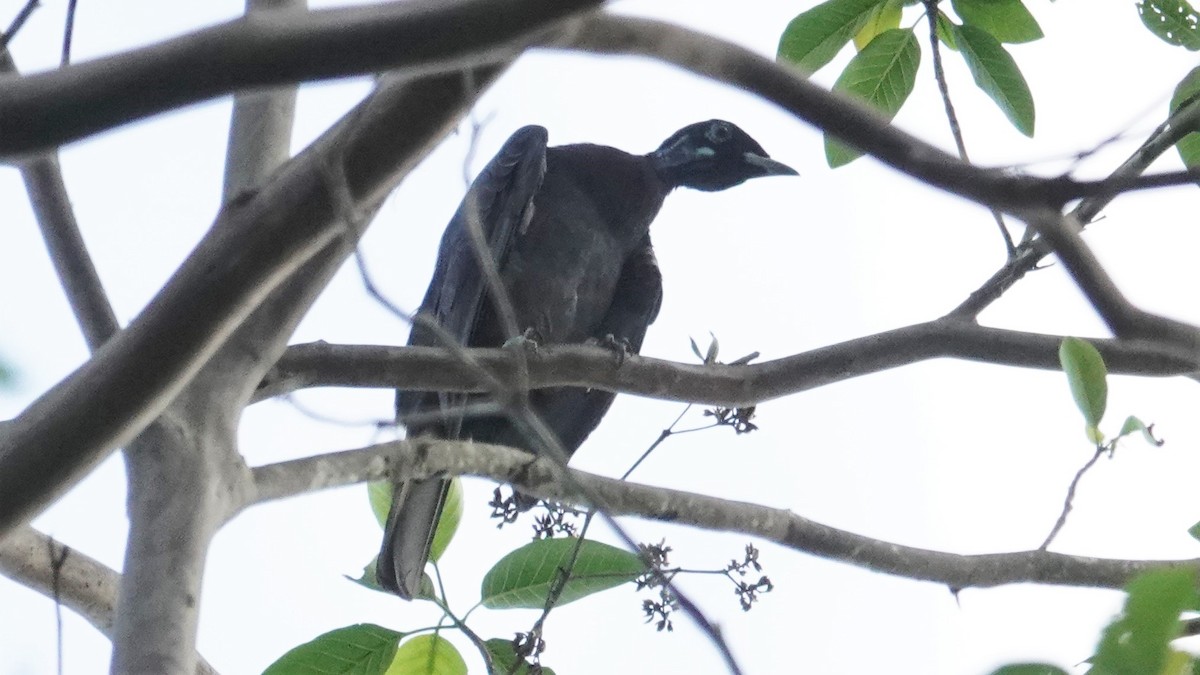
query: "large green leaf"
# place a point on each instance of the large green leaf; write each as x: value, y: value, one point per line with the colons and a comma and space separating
x: 997, y: 75
x: 813, y: 38
x: 1005, y: 20
x: 524, y: 577
x: 428, y: 655
x: 1174, y: 21
x: 1187, y: 91
x: 1087, y: 376
x: 1139, y: 641
x: 882, y: 75
x: 362, y: 649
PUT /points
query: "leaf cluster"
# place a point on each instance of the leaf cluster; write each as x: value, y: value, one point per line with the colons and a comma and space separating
x: 883, y: 72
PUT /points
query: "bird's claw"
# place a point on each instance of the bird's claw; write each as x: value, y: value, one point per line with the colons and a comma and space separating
x: 530, y: 340
x: 619, y: 346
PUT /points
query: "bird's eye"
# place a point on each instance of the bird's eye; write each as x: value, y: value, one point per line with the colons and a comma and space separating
x: 718, y: 133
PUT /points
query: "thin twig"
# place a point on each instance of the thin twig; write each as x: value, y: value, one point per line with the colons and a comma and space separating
x: 1070, y: 498
x: 1031, y: 252
x: 68, y: 32
x: 935, y: 48
x: 664, y: 435
x: 17, y: 22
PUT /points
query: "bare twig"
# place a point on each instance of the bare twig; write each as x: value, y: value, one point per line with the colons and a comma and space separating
x: 18, y: 21
x: 1030, y: 253
x: 68, y: 32
x: 939, y: 75
x: 1070, y: 498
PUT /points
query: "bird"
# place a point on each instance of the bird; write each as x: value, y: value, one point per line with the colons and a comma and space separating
x: 568, y: 230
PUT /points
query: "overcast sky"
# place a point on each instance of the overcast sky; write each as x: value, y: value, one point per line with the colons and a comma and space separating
x: 946, y: 455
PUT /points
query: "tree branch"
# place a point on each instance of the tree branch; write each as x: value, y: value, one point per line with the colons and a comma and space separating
x: 426, y: 36
x: 56, y: 220
x: 1123, y: 318
x: 422, y: 458
x: 434, y: 369
x: 1030, y: 254
x: 185, y: 466
x: 85, y: 585
x: 834, y: 113
x: 255, y: 245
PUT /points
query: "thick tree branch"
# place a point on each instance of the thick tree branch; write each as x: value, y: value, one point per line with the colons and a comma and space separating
x: 42, y: 111
x: 260, y: 131
x: 85, y: 585
x: 434, y: 369
x: 836, y: 114
x: 185, y: 467
x: 422, y: 458
x: 256, y: 244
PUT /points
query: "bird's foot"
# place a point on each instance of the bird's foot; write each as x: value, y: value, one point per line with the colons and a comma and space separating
x: 619, y: 346
x: 530, y: 340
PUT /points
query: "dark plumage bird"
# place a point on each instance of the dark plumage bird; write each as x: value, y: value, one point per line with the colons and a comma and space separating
x: 568, y: 228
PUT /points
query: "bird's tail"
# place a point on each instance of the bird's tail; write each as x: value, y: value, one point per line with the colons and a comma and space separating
x: 408, y: 535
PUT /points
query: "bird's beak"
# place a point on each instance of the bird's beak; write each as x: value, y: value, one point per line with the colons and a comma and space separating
x: 769, y: 166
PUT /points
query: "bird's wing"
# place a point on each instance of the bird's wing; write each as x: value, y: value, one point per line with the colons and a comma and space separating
x: 573, y: 413
x: 497, y: 206
x: 637, y: 298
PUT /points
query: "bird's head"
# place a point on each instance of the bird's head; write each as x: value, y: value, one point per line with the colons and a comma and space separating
x: 713, y: 155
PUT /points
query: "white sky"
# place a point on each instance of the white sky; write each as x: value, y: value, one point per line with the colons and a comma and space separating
x: 961, y: 457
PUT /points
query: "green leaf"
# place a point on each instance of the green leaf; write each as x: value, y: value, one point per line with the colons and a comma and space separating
x: 882, y: 75
x: 813, y: 38
x: 1139, y: 640
x: 504, y: 657
x: 884, y: 18
x: 368, y: 578
x: 1133, y: 425
x: 379, y: 493
x: 1087, y: 377
x: 996, y: 73
x: 428, y: 655
x: 944, y: 28
x: 1029, y: 669
x: 1173, y: 21
x: 1194, y: 530
x: 362, y: 649
x: 1004, y: 20
x: 1188, y: 91
x: 524, y: 577
x: 452, y: 511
